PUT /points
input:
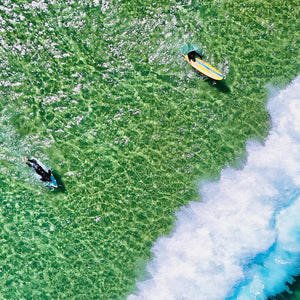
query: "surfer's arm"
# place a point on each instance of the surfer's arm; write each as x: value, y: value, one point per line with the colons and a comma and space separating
x: 32, y: 161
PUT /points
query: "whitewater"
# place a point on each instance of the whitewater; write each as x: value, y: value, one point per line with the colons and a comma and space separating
x: 242, y: 241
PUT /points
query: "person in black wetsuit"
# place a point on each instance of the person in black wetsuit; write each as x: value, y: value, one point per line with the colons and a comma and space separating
x: 45, y: 176
x: 192, y: 54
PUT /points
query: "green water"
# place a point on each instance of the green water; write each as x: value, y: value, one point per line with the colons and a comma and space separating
x: 100, y: 92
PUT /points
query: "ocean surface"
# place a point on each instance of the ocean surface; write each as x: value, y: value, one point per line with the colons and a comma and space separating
x: 172, y: 186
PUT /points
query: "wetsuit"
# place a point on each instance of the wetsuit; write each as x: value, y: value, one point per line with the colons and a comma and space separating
x: 192, y: 54
x: 45, y: 176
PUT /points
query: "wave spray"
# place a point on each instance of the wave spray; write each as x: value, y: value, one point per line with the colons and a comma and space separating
x: 243, y: 240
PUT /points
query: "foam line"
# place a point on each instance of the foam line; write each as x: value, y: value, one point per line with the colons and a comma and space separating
x: 243, y: 240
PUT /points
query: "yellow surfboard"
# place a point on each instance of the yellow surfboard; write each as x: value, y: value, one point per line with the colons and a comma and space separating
x: 205, y: 68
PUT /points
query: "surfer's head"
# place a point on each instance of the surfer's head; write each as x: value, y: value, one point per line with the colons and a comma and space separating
x: 192, y: 55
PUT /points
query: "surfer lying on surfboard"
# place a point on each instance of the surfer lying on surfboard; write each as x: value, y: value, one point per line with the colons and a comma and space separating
x: 196, y: 61
x: 45, y: 176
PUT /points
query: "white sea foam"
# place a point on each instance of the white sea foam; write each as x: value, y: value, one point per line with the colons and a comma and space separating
x: 243, y: 240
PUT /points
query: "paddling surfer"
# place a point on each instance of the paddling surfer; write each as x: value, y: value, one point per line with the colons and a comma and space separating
x: 45, y: 176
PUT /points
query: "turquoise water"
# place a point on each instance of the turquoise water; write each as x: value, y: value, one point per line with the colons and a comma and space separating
x: 100, y: 92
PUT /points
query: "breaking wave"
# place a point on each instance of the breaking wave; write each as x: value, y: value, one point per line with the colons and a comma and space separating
x: 243, y: 240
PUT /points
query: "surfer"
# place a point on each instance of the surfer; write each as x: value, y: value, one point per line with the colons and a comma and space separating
x: 193, y: 54
x: 196, y: 61
x: 45, y: 176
